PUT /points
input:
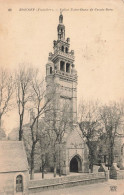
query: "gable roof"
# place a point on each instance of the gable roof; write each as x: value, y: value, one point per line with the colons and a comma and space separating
x: 12, y: 156
x: 75, y: 136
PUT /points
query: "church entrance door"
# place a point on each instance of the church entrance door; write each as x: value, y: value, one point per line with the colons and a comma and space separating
x: 75, y: 164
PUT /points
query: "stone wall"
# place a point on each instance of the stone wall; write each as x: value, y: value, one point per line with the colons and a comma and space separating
x: 115, y: 172
x: 66, y: 181
x: 104, y: 169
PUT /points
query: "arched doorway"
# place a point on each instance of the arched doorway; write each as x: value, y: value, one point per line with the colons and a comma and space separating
x: 75, y: 164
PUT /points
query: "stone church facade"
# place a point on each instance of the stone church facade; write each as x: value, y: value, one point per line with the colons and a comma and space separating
x: 61, y: 77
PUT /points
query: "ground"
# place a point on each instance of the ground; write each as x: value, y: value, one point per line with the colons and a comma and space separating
x: 111, y: 187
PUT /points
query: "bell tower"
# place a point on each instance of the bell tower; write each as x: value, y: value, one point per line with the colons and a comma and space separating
x: 61, y: 74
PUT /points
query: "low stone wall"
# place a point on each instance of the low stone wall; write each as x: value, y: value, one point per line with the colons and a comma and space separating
x: 36, y: 186
x: 120, y: 174
x: 104, y: 169
x: 115, y: 172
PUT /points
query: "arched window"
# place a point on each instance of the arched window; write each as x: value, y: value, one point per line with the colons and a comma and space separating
x: 68, y: 67
x: 122, y: 150
x: 50, y: 70
x: 62, y: 66
x: 63, y: 48
x: 66, y: 50
x: 19, y: 183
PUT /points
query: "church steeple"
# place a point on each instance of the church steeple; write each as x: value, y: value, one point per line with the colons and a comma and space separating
x: 61, y: 17
x: 61, y: 72
x: 61, y: 28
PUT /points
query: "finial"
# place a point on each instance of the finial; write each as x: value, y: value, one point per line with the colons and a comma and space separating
x: 61, y: 17
x: 60, y: 12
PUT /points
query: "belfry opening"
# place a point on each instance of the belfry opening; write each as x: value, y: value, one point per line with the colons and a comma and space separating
x: 76, y: 164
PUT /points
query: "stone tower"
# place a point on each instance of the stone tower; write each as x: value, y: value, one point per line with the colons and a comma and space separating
x: 61, y: 75
x: 61, y: 82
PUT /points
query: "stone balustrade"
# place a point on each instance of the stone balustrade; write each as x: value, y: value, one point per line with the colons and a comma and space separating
x: 67, y: 55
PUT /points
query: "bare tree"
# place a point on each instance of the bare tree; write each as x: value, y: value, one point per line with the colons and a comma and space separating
x: 63, y: 126
x: 112, y: 119
x: 2, y: 134
x: 38, y: 105
x: 58, y: 121
x: 23, y: 79
x: 37, y: 144
x: 6, y: 91
x: 90, y: 126
x: 44, y: 149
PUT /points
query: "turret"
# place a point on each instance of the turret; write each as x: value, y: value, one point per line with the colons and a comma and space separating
x: 49, y: 65
x: 61, y: 28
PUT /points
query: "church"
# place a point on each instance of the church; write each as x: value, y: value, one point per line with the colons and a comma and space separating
x: 60, y: 121
x: 61, y: 77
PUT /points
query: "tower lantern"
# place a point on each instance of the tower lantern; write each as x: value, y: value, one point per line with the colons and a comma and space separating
x: 61, y: 28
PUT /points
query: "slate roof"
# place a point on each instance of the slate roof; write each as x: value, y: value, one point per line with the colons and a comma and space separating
x: 12, y: 156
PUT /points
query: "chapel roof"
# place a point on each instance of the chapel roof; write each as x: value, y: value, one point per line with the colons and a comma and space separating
x: 12, y: 156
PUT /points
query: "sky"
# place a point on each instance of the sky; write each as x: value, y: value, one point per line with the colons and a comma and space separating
x: 96, y: 31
